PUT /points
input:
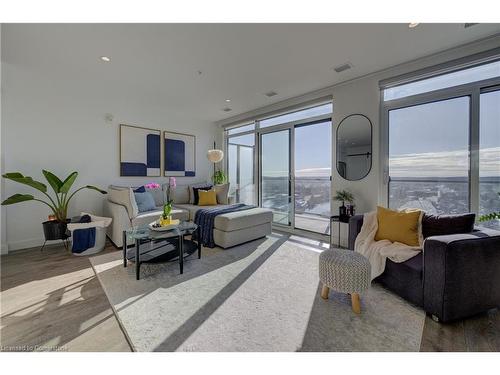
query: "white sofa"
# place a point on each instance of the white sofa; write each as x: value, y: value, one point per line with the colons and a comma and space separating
x: 230, y: 229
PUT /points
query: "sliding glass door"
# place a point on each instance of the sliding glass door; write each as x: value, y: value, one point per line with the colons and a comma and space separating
x: 295, y: 175
x: 283, y: 163
x: 275, y: 176
x: 312, y: 171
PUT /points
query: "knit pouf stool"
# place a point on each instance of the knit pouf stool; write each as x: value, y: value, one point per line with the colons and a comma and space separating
x: 344, y: 271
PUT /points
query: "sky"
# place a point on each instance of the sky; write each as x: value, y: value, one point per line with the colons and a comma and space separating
x: 312, y: 151
x: 432, y: 140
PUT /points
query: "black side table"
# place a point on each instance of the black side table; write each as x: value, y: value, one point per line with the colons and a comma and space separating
x: 337, y: 219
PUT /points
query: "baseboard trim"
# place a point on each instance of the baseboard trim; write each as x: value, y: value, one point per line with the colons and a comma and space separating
x: 4, y: 249
x: 30, y: 243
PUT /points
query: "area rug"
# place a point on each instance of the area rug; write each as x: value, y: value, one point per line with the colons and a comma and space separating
x: 260, y: 296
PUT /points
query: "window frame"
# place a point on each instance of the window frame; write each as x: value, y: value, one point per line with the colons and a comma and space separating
x: 268, y: 129
x: 473, y: 90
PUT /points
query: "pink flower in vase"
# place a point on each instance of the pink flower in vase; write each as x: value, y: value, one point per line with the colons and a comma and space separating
x: 152, y: 185
x: 172, y: 182
x: 171, y: 185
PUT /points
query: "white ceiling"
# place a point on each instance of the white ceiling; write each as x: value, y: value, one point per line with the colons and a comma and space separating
x: 237, y: 61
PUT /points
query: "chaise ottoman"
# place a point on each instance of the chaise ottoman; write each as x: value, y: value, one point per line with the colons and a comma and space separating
x: 238, y: 227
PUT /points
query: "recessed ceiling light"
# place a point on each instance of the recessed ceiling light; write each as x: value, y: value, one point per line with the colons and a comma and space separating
x: 226, y: 109
x: 413, y: 24
x: 105, y: 58
x: 228, y: 100
x: 270, y: 94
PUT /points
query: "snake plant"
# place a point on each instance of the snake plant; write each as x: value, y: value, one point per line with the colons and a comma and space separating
x: 59, y: 202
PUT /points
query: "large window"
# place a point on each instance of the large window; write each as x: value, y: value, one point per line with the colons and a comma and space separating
x: 429, y: 157
x: 489, y: 155
x: 323, y: 109
x: 241, y: 150
x: 444, y: 142
x: 241, y: 129
x: 477, y: 73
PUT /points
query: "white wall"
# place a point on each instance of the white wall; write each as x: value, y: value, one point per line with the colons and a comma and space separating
x: 3, y: 210
x: 359, y: 97
x: 57, y: 123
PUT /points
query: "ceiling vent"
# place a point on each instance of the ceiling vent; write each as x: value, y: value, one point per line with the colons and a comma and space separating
x: 270, y: 94
x: 227, y: 109
x: 343, y: 67
x: 467, y: 25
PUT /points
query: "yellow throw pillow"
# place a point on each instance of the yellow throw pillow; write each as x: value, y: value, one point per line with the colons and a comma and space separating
x: 397, y: 226
x: 207, y: 198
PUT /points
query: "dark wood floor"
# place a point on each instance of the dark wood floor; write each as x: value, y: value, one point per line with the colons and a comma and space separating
x: 51, y: 300
x: 480, y: 333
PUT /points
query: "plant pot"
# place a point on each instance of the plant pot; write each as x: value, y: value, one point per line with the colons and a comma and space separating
x: 55, y: 230
x: 342, y: 210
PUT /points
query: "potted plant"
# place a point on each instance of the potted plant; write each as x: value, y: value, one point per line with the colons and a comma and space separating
x: 219, y: 177
x: 166, y: 216
x: 344, y: 196
x: 490, y: 216
x: 54, y: 229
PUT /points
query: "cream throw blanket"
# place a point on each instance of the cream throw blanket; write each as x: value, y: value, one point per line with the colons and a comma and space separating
x: 378, y: 251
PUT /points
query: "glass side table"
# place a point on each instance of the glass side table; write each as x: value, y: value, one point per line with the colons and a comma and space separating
x: 155, y: 246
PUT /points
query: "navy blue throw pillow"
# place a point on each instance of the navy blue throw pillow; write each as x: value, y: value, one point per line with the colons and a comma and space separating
x: 140, y: 189
x: 196, y: 195
x: 442, y: 225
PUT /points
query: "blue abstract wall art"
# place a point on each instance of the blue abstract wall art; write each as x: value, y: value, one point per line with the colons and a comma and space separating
x: 179, y: 154
x: 140, y: 151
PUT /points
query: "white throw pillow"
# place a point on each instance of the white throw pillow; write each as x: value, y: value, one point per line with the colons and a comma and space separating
x: 124, y: 197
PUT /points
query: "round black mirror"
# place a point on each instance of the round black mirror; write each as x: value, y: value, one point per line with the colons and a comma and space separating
x: 354, y: 147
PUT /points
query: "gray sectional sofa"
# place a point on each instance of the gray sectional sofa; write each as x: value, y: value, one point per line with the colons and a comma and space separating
x: 456, y: 276
x: 230, y: 229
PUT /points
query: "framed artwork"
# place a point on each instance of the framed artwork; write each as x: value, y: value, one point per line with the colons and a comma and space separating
x: 140, y: 151
x: 179, y: 154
